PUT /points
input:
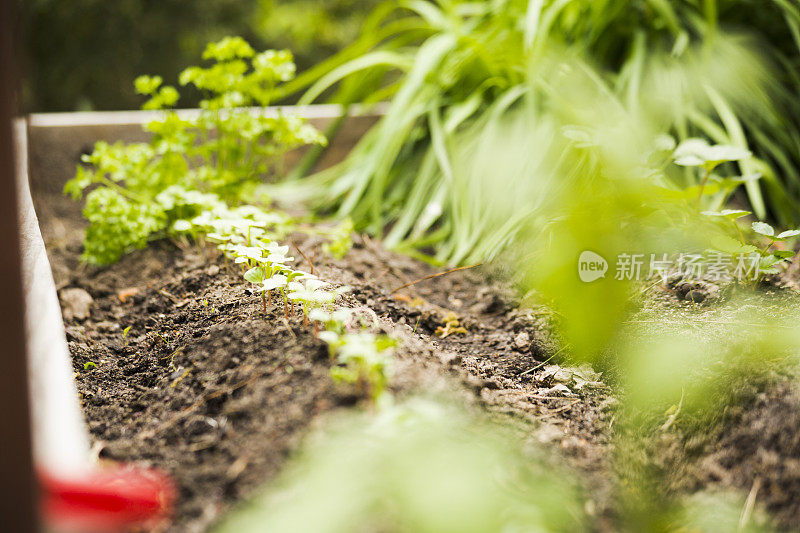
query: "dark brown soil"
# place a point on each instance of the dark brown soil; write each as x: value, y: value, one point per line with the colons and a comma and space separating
x: 207, y: 388
x: 760, y: 451
x: 202, y: 385
x: 756, y: 450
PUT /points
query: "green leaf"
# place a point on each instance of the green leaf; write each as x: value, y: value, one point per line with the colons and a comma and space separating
x: 697, y: 152
x: 787, y: 234
x: 227, y: 49
x: 147, y: 84
x: 255, y: 275
x: 181, y: 226
x: 366, y: 61
x: 783, y: 254
x: 763, y: 228
x: 730, y: 214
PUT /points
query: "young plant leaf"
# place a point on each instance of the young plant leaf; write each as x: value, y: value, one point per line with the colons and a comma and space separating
x: 764, y: 229
x: 783, y: 254
x: 255, y: 275
x: 730, y: 214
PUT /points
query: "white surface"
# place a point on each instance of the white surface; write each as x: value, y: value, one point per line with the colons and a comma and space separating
x: 117, y: 118
x: 60, y: 438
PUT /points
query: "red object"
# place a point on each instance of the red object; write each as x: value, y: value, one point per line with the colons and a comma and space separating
x: 110, y: 499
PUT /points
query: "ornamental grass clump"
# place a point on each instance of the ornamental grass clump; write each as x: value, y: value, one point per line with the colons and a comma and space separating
x: 452, y: 67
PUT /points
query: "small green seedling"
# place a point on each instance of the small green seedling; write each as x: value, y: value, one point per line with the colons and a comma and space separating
x: 312, y: 295
x: 731, y: 215
x: 770, y: 258
x: 364, y: 360
x: 125, y: 335
x: 89, y: 365
x: 696, y: 152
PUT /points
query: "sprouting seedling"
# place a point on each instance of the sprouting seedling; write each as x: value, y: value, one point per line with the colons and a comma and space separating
x: 310, y: 295
x: 731, y: 215
x: 125, y: 335
x: 333, y: 340
x: 256, y: 276
x: 771, y: 258
x: 276, y: 281
x: 334, y: 322
x: 363, y: 359
x: 697, y: 152
x: 89, y: 365
x: 768, y: 258
x: 246, y: 255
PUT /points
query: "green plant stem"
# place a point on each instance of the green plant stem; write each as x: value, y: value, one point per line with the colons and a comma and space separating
x: 766, y: 249
x: 739, y: 231
x: 702, y: 187
x: 122, y: 190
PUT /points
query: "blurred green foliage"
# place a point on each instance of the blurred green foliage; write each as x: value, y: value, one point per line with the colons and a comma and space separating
x: 85, y: 54
x: 312, y: 29
x: 192, y: 164
x: 421, y: 466
x: 451, y: 65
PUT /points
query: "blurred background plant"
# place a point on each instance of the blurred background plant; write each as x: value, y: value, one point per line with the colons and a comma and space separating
x: 449, y: 66
x: 425, y: 465
x: 85, y: 54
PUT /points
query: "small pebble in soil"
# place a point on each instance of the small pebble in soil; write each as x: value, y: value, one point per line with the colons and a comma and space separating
x: 695, y: 296
x: 76, y: 304
x: 522, y: 341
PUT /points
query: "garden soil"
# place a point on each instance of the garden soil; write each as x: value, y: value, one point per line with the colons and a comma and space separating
x: 179, y: 368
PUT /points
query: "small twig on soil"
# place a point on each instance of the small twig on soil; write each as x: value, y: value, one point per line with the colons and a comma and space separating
x: 238, y: 467
x: 648, y: 287
x: 534, y: 397
x: 749, y: 504
x: 382, y: 274
x: 163, y: 292
x: 309, y: 261
x: 435, y: 276
x: 289, y: 327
